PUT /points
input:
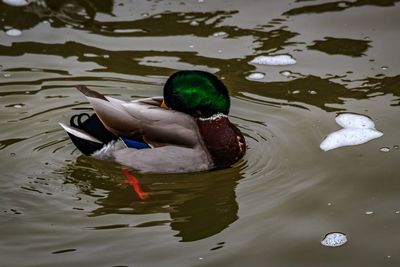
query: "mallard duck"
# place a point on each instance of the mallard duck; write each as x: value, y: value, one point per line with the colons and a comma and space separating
x: 187, y: 130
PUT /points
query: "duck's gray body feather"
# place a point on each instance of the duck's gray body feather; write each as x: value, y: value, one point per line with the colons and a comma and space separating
x: 175, y: 137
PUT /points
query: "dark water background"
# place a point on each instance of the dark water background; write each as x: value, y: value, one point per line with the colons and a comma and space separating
x: 59, y: 208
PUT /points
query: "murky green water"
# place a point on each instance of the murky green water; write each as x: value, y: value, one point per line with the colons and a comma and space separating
x: 60, y: 208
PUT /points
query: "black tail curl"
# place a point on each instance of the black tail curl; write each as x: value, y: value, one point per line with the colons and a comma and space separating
x: 92, y: 125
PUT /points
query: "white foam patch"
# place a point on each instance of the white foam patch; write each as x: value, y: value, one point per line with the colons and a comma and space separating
x: 357, y: 129
x: 334, y: 240
x: 355, y: 121
x: 349, y: 137
x: 274, y: 60
x: 16, y: 2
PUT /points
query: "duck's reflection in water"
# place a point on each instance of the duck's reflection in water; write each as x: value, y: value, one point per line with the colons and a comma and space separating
x: 199, y: 204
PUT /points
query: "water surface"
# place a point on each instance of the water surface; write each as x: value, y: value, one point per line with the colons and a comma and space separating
x: 61, y: 208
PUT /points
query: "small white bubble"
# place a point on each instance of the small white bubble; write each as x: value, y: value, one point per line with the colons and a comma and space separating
x: 286, y: 73
x: 89, y: 55
x: 145, y: 14
x: 312, y: 92
x: 16, y: 2
x: 255, y: 76
x: 219, y: 51
x: 295, y: 92
x: 191, y: 46
x: 200, y: 1
x: 194, y: 23
x: 384, y: 68
x: 13, y: 32
x: 106, y: 56
x: 396, y: 147
x: 329, y: 204
x: 343, y: 5
x: 220, y: 34
x: 369, y: 212
x: 200, y: 258
x: 6, y: 75
x: 384, y: 149
x: 17, y: 106
x: 334, y: 240
x: 397, y: 212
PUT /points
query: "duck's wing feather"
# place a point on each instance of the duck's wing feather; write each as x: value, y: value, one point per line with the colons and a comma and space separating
x: 164, y: 126
x: 155, y: 100
x: 144, y: 117
x: 115, y: 118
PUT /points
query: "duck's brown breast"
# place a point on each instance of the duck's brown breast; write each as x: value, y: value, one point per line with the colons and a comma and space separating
x: 223, y: 140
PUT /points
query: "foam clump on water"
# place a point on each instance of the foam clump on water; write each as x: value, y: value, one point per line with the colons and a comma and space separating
x: 334, y: 240
x: 274, y: 60
x: 16, y: 2
x: 355, y: 121
x: 357, y: 129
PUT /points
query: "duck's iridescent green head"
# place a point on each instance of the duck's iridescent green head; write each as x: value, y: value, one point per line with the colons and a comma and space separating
x: 197, y: 93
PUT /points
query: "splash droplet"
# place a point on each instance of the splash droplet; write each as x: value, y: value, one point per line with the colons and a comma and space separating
x: 369, y: 212
x: 334, y: 240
